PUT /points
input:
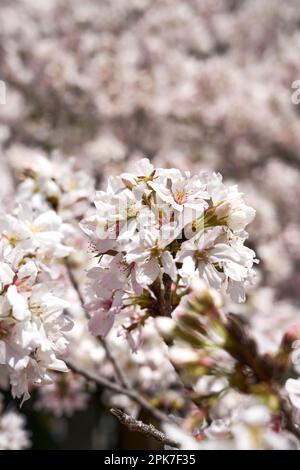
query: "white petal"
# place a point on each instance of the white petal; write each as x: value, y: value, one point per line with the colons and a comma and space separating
x: 29, y: 270
x: 222, y: 252
x: 6, y: 274
x: 236, y: 291
x: 2, y: 352
x: 136, y: 255
x: 188, y: 267
x: 58, y: 365
x: 240, y: 218
x: 147, y: 272
x: 292, y: 386
x: 209, y: 273
x: 208, y: 240
x: 48, y: 221
x: 18, y: 303
x: 169, y: 265
x: 235, y: 271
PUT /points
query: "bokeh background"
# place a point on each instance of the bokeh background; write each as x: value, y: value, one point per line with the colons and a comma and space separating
x: 195, y: 84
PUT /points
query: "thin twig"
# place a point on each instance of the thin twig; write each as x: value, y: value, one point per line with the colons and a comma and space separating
x: 135, y: 396
x: 138, y: 426
x: 75, y: 284
x: 118, y: 372
x: 123, y: 386
x: 244, y: 350
x: 289, y: 423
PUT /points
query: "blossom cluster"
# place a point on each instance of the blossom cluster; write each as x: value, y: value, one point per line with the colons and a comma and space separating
x: 156, y: 235
x: 157, y: 226
x: 51, y: 183
x: 32, y: 323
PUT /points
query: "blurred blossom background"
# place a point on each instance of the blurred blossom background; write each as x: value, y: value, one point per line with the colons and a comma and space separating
x: 197, y: 85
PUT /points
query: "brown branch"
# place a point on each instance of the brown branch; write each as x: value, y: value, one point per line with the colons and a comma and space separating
x: 244, y: 350
x: 287, y: 412
x: 120, y: 377
x: 75, y: 284
x: 123, y: 386
x: 161, y: 288
x: 138, y: 426
x: 135, y: 396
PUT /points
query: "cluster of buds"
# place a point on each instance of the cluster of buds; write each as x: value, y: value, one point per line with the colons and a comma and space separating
x: 219, y: 362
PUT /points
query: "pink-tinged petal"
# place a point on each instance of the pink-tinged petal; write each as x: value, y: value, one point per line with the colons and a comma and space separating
x: 101, y: 323
x: 103, y: 246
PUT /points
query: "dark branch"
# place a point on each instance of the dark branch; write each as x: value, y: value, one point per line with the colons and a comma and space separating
x: 147, y: 429
x: 135, y: 396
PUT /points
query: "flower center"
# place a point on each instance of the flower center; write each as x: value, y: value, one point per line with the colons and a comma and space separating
x: 155, y: 252
x: 132, y: 210
x: 12, y: 240
x: 201, y: 255
x: 180, y: 196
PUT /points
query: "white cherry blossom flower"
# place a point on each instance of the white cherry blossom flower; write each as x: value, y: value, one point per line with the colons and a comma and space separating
x: 149, y: 255
x: 181, y: 193
x: 212, y: 259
